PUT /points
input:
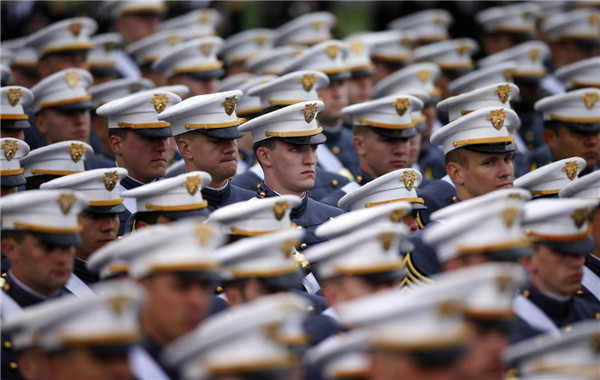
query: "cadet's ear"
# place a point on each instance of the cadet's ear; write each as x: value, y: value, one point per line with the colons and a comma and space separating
x: 263, y: 155
x: 359, y: 144
x: 9, y: 248
x: 40, y: 123
x: 116, y: 144
x: 550, y: 137
x: 454, y: 171
x: 185, y: 148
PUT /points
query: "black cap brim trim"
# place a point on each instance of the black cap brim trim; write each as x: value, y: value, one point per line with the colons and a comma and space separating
x: 288, y: 281
x: 492, y: 148
x: 571, y: 248
x: 317, y: 139
x: 396, y: 133
x: 229, y: 133
x: 116, y: 209
x: 153, y: 132
x: 583, y: 127
x: 85, y: 105
x: 15, y: 124
x: 13, y: 180
x: 178, y: 215
x: 210, y: 74
x: 511, y: 255
x: 63, y: 240
x: 342, y: 75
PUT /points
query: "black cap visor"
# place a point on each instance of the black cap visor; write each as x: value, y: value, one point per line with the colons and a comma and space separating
x: 116, y: 209
x: 292, y: 280
x: 13, y: 180
x: 178, y: 215
x: 510, y: 254
x: 367, y: 72
x: 395, y: 133
x: 153, y: 132
x: 15, y: 124
x: 228, y: 133
x: 209, y: 74
x: 84, y: 105
x: 504, y: 147
x: 342, y: 75
x: 591, y: 128
x: 319, y: 138
x: 571, y: 248
x: 63, y: 240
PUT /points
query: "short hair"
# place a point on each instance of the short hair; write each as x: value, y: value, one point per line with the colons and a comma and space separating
x: 458, y: 156
x: 268, y: 143
x: 120, y: 132
x: 187, y: 135
x: 16, y: 235
x: 553, y: 125
x: 148, y: 217
x: 360, y: 130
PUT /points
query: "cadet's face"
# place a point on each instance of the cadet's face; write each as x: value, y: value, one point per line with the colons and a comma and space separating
x: 155, y: 76
x: 360, y: 89
x: 335, y: 97
x: 568, y: 143
x: 60, y: 125
x: 197, y: 86
x: 485, y: 173
x: 98, y: 230
x: 134, y: 27
x: 175, y: 305
x: 218, y: 157
x: 43, y: 267
x: 379, y: 154
x: 483, y: 358
x: 144, y: 157
x: 81, y: 363
x: 59, y: 61
x: 555, y: 273
x: 389, y: 365
x: 14, y: 133
x: 292, y: 168
x: 414, y: 148
x: 567, y: 52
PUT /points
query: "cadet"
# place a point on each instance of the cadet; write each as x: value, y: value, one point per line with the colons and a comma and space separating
x: 14, y: 121
x: 62, y: 110
x: 205, y: 127
x: 102, y: 58
x: 587, y: 187
x: 547, y: 181
x: 39, y: 235
x: 138, y: 139
x: 382, y: 129
x: 285, y: 143
x: 328, y: 57
x: 295, y: 87
x: 76, y: 338
x: 13, y: 150
x: 346, y: 273
x: 100, y: 219
x: 54, y: 161
x: 571, y: 127
x: 168, y: 200
x: 194, y: 64
x: 63, y: 44
x: 177, y: 268
x: 561, y: 238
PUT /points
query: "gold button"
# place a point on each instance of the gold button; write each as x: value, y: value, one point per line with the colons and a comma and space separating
x: 335, y: 150
x: 303, y: 245
x: 6, y: 287
x: 597, y: 315
x: 579, y: 292
x: 330, y: 218
x: 4, y: 275
x: 526, y: 293
x: 334, y: 183
x: 13, y: 365
x: 262, y: 194
x: 299, y: 227
x: 568, y: 328
x: 257, y: 186
x: 310, y: 309
x: 219, y: 290
x: 7, y: 345
x: 359, y: 179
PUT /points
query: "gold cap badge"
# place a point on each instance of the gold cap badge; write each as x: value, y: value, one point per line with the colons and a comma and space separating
x: 77, y: 151
x: 204, y: 17
x: 288, y: 246
x: 261, y: 39
x: 318, y: 25
x: 279, y: 209
x: 590, y: 99
x: 592, y: 18
x: 134, y: 87
x: 14, y: 95
x: 160, y: 102
x: 332, y: 51
x: 579, y: 216
x: 463, y: 49
x: 497, y: 118
x: 401, y: 105
x: 503, y: 92
x: 109, y: 46
x: 110, y: 180
x: 424, y: 75
x: 203, y: 233
x: 357, y: 47
x: 10, y: 148
x: 206, y: 49
x: 173, y: 39
x: 66, y: 201
x: 571, y: 169
x: 397, y: 215
x: 229, y: 104
x: 72, y: 77
x: 309, y: 111
x: 192, y: 184
x: 308, y: 80
x: 509, y: 215
x: 409, y: 178
x: 75, y: 28
x: 118, y: 304
x: 386, y: 240
x: 534, y: 54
